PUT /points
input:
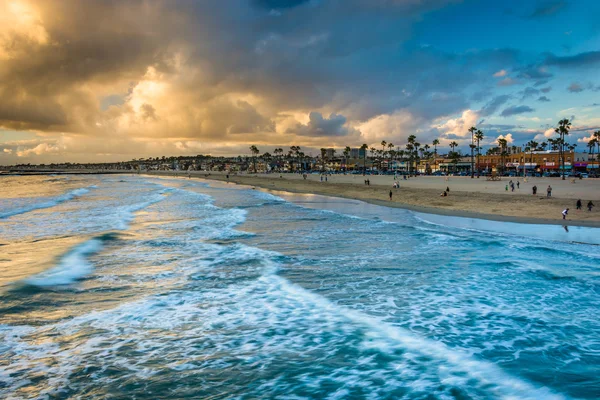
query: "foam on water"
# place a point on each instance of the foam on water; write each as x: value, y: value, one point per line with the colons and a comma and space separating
x: 72, y: 266
x: 282, y: 301
x: 47, y: 203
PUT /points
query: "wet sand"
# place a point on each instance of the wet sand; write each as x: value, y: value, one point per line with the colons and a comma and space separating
x: 473, y: 198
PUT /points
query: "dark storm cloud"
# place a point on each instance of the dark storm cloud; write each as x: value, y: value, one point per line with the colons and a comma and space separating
x: 514, y: 110
x: 246, y: 71
x: 590, y: 58
x: 320, y: 126
x: 543, y: 99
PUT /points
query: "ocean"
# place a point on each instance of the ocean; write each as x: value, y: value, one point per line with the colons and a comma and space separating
x: 120, y: 287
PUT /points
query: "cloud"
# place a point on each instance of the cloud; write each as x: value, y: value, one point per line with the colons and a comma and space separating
x: 575, y: 88
x: 546, y: 89
x: 514, y: 110
x: 42, y: 148
x: 534, y: 72
x: 151, y: 78
x: 508, y: 81
x: 459, y: 126
x: 543, y: 99
x: 529, y: 92
x: 318, y: 126
x: 508, y: 137
x: 492, y: 106
x: 548, y: 8
x: 9, y: 151
x: 585, y: 59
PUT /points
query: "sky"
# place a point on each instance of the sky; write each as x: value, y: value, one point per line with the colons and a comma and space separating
x: 109, y: 80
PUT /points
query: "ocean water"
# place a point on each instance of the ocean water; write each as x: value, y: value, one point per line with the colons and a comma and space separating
x: 162, y: 288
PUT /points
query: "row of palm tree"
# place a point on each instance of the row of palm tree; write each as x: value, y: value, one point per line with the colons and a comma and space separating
x: 413, y: 152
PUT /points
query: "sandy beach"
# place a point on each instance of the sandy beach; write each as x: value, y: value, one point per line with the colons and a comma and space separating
x: 475, y: 198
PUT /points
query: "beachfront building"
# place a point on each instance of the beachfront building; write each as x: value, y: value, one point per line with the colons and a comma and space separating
x: 461, y: 165
x: 537, y: 161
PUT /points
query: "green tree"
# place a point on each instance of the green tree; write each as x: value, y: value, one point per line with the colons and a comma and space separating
x: 323, y: 155
x: 472, y: 146
x: 478, y: 137
x: 254, y: 150
x: 596, y: 136
x: 564, y: 125
x: 503, y: 143
x: 532, y: 145
x: 453, y: 153
x: 364, y: 149
x: 347, y: 151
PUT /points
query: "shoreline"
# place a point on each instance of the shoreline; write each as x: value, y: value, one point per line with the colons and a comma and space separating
x: 457, y: 204
x: 429, y: 210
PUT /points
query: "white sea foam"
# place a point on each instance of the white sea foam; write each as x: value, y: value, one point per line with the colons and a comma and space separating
x: 72, y: 266
x: 47, y: 203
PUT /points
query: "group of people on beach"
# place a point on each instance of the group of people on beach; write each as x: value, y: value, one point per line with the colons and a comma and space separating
x: 590, y: 205
x: 511, y: 184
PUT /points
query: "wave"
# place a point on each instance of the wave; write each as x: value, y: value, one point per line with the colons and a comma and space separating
x: 48, y: 203
x: 487, y: 374
x: 73, y: 266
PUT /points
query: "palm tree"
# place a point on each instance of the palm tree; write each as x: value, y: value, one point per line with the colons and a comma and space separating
x: 254, y: 150
x: 478, y: 138
x: 597, y: 139
x: 532, y: 145
x: 503, y: 143
x: 435, y: 144
x: 453, y: 145
x: 564, y: 125
x: 364, y: 149
x: 383, y: 144
x: 591, y: 146
x: 427, y: 155
x: 323, y: 155
x: 347, y: 151
x: 472, y: 130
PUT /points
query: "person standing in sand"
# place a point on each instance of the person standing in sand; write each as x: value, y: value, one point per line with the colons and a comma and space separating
x: 590, y: 205
x: 390, y: 195
x: 549, y: 191
x: 534, y: 190
x: 578, y: 205
x: 565, y: 213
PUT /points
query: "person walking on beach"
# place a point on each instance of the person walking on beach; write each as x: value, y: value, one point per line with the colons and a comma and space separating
x: 565, y: 213
x: 578, y: 205
x: 448, y: 189
x: 549, y: 191
x: 518, y: 185
x: 534, y: 190
x: 390, y: 195
x: 590, y: 205
x: 506, y: 188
